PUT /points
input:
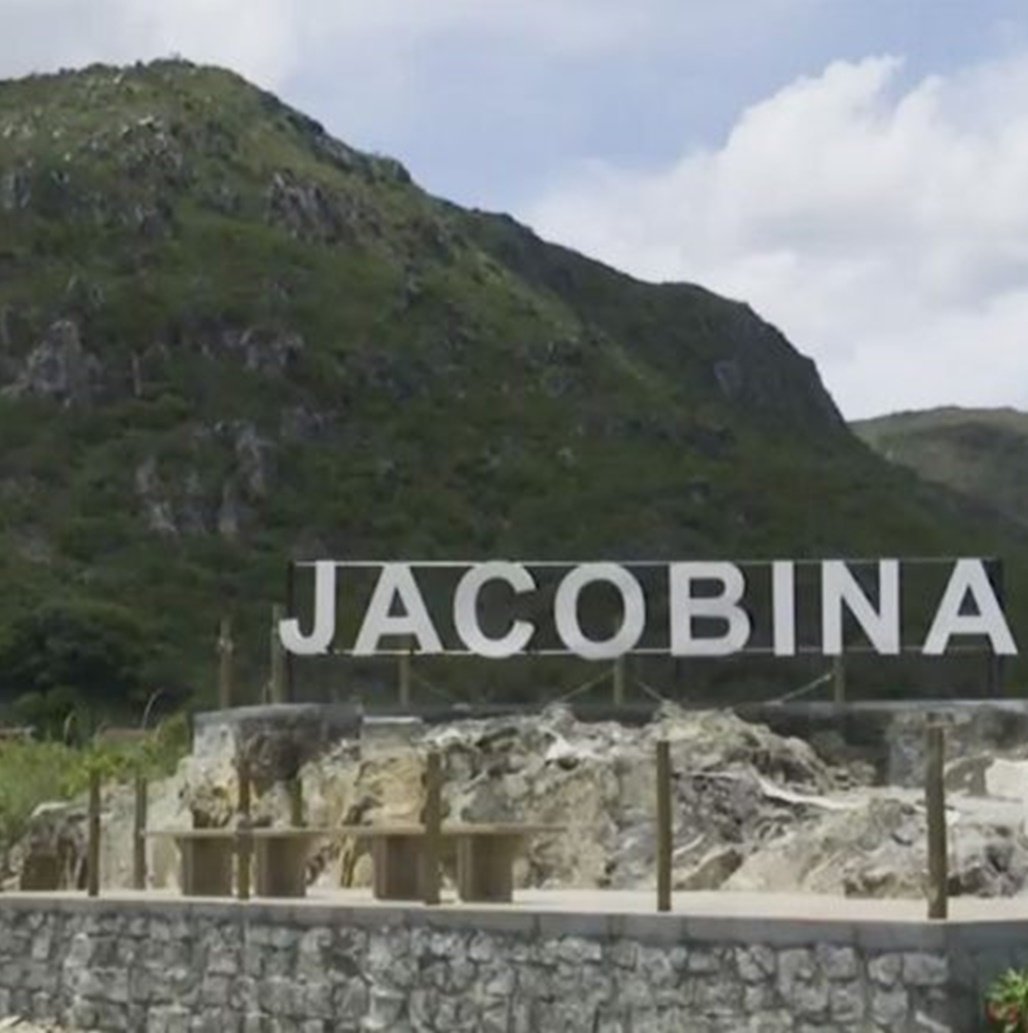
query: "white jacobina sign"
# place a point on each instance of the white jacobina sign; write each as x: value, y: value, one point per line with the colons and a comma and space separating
x: 968, y: 606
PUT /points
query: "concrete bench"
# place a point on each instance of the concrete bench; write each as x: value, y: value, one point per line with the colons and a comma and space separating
x: 485, y: 858
x: 206, y: 859
x: 280, y: 855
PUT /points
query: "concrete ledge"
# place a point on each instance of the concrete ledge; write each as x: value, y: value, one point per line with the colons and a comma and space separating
x: 331, y: 718
x: 552, y: 920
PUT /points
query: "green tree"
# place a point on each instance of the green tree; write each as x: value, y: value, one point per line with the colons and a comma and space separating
x: 75, y: 651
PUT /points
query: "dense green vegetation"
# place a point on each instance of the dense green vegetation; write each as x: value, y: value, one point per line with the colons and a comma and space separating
x: 35, y: 772
x: 227, y: 340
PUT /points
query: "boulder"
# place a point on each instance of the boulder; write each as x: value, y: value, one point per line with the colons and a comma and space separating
x: 1007, y: 779
x: 52, y: 856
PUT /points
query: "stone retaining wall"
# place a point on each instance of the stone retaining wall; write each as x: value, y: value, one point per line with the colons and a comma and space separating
x: 165, y: 966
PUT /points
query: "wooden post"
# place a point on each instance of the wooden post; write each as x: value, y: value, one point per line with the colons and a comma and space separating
x: 290, y: 612
x: 225, y: 664
x: 93, y: 840
x: 619, y: 681
x: 995, y: 671
x: 618, y: 673
x: 244, y: 841
x: 839, y: 679
x: 993, y: 676
x: 277, y: 677
x: 404, y: 679
x: 296, y: 802
x: 432, y: 819
x: 935, y: 806
x: 139, y: 835
x: 664, y: 829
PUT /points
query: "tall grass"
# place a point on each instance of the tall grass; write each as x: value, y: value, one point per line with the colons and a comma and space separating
x: 34, y: 772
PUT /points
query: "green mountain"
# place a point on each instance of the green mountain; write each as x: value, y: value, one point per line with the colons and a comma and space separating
x: 227, y: 339
x: 981, y: 453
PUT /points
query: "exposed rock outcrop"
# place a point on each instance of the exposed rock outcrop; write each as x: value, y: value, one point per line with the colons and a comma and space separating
x: 310, y: 212
x: 58, y: 368
x: 262, y: 350
x: 157, y: 509
x: 752, y: 810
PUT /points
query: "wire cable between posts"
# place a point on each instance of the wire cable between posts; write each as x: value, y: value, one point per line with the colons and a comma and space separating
x: 820, y: 680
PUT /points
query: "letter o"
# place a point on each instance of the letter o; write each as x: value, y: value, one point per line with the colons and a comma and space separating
x: 565, y: 611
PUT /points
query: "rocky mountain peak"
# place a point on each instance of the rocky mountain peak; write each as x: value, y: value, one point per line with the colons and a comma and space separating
x: 225, y: 335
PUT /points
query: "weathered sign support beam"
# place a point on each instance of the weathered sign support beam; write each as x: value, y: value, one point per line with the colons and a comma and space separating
x: 295, y: 788
x: 244, y: 841
x: 404, y: 677
x: 290, y: 612
x: 93, y: 835
x: 839, y: 679
x: 995, y: 661
x: 139, y: 834
x: 433, y: 820
x: 935, y: 806
x: 277, y: 677
x: 620, y: 680
x: 664, y: 827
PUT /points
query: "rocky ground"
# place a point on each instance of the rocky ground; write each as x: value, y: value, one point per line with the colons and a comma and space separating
x: 752, y: 810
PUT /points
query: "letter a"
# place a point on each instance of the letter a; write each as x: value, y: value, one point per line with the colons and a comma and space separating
x: 969, y: 578
x: 396, y: 582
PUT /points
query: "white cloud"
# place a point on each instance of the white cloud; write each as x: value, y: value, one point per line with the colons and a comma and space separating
x: 394, y: 74
x: 882, y: 227
x: 271, y: 40
x: 268, y: 40
x: 254, y: 37
x: 885, y: 230
x: 569, y: 26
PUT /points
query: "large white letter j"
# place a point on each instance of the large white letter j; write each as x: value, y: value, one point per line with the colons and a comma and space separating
x: 324, y: 628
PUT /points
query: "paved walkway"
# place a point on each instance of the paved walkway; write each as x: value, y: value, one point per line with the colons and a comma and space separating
x: 712, y: 904
x: 725, y: 904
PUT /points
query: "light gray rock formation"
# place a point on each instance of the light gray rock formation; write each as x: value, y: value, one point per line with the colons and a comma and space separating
x: 752, y: 810
x: 58, y: 368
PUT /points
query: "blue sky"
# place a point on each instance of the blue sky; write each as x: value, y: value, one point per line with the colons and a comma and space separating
x: 491, y: 118
x: 857, y: 171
